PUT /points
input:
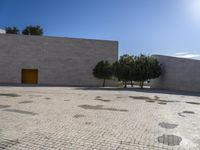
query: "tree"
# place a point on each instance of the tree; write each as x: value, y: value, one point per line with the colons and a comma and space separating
x: 33, y: 30
x: 132, y: 71
x: 146, y: 68
x: 103, y: 70
x: 122, y: 69
x: 12, y: 30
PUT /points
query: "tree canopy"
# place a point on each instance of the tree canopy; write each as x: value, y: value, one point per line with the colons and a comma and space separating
x: 145, y: 68
x: 129, y: 68
x: 12, y: 30
x: 33, y: 30
x: 122, y: 69
x: 103, y: 70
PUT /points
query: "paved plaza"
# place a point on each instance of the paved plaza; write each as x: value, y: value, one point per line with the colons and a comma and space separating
x: 44, y: 118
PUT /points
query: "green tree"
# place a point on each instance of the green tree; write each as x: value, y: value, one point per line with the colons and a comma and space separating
x: 33, y: 30
x: 146, y: 68
x: 132, y: 71
x: 103, y: 70
x: 122, y: 69
x: 12, y: 30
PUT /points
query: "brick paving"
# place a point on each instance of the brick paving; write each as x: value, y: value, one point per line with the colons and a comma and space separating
x: 48, y: 118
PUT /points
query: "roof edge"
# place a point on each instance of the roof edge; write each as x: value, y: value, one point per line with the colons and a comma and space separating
x: 174, y: 57
x: 47, y: 36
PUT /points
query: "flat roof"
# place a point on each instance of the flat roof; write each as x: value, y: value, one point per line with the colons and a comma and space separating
x: 56, y: 37
x: 175, y: 57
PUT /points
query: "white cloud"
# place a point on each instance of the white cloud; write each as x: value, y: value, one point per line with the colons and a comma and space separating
x: 190, y: 55
x: 182, y: 53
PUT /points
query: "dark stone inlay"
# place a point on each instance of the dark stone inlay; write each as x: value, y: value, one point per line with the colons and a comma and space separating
x: 162, y: 103
x: 4, y: 106
x: 9, y: 94
x: 79, y: 116
x: 24, y: 102
x: 20, y: 111
x: 67, y: 100
x: 140, y: 97
x: 194, y: 103
x: 166, y: 101
x: 188, y: 112
x: 181, y: 115
x: 156, y: 98
x: 98, y: 96
x: 100, y: 107
x: 103, y: 100
x: 170, y: 140
x: 150, y: 101
x: 87, y: 123
x: 47, y: 98
x: 167, y: 125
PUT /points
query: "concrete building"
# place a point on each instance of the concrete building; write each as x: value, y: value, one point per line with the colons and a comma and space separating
x: 178, y: 74
x: 53, y: 60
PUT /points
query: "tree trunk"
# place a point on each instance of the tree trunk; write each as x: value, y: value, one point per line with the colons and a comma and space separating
x: 125, y: 84
x: 131, y: 83
x: 104, y: 80
x: 142, y: 84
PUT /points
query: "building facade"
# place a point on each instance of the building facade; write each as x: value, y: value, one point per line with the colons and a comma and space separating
x: 178, y: 74
x: 53, y: 60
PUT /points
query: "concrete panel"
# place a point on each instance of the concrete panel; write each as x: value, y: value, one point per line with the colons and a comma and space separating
x: 60, y: 61
x: 178, y: 74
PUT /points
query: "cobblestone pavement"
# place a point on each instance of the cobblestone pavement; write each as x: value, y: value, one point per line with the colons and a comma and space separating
x: 84, y: 118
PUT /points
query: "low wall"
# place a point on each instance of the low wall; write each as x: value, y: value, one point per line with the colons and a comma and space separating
x: 178, y: 74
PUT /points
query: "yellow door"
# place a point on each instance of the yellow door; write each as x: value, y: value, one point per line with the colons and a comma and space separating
x: 29, y: 76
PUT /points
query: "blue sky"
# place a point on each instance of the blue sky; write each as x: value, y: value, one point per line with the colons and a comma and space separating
x: 170, y: 27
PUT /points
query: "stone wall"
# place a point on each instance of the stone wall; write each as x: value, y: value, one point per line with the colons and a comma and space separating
x: 60, y: 61
x: 178, y: 74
